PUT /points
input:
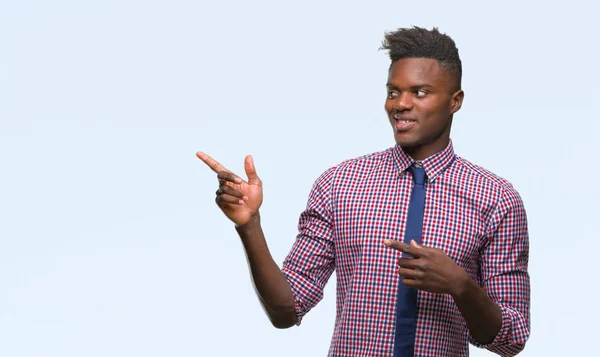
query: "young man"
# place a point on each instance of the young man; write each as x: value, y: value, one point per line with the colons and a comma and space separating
x: 431, y: 251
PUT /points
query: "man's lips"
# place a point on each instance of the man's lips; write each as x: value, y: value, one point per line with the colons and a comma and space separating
x: 403, y: 123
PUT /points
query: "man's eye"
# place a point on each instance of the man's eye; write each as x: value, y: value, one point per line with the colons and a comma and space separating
x: 421, y: 93
x: 391, y: 95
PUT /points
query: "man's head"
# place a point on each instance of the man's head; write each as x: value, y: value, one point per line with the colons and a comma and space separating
x: 424, y: 89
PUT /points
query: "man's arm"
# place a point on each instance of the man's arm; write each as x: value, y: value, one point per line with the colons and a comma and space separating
x: 271, y: 286
x: 497, y: 317
x: 240, y: 201
x: 482, y: 315
x: 432, y: 270
x: 286, y: 294
x: 504, y: 273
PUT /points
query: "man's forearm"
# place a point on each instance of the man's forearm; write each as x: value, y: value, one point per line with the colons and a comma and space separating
x: 271, y: 285
x: 482, y: 314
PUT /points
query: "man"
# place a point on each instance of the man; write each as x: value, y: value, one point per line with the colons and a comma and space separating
x: 430, y: 251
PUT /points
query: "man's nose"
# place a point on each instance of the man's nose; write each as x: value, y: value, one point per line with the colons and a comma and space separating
x: 404, y: 102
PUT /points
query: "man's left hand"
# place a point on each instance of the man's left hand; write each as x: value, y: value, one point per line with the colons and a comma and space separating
x: 429, y: 269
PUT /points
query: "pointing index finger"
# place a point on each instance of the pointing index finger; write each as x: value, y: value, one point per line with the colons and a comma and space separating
x: 210, y: 162
x: 402, y: 247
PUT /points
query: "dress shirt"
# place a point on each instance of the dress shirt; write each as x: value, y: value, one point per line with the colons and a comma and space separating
x: 475, y: 217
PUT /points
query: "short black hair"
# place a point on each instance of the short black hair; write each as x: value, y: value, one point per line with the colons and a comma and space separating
x: 418, y: 42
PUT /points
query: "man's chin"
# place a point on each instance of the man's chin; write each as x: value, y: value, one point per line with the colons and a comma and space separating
x: 406, y: 141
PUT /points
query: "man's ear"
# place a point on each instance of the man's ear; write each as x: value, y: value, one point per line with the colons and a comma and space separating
x: 456, y: 101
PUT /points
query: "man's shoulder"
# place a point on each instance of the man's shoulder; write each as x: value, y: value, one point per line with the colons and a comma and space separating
x: 356, y: 167
x: 362, y: 165
x: 488, y: 178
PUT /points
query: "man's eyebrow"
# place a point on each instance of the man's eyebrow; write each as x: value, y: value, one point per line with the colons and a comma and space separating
x: 418, y: 86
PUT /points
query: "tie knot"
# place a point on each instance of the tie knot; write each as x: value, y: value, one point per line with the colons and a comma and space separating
x: 418, y: 174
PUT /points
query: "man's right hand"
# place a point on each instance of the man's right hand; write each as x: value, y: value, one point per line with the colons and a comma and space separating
x: 238, y: 199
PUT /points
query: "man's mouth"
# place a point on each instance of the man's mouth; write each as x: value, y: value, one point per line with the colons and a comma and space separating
x: 403, y: 123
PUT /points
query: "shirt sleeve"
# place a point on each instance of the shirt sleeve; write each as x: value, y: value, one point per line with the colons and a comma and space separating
x: 311, y: 260
x: 503, y: 262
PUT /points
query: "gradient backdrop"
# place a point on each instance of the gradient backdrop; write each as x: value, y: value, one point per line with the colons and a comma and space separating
x: 110, y: 242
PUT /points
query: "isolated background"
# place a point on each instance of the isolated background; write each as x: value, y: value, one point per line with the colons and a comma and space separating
x: 110, y: 242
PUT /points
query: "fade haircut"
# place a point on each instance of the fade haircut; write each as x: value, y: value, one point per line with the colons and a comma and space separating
x: 417, y: 42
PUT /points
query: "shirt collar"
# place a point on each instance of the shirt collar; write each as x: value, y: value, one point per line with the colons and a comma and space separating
x: 433, y: 165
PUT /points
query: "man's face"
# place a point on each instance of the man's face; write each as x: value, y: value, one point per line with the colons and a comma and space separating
x: 421, y: 99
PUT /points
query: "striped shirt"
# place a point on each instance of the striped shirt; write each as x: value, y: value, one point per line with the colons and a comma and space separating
x: 475, y: 217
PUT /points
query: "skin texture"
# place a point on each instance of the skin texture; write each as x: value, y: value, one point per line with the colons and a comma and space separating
x: 432, y: 270
x: 240, y: 201
x: 422, y: 92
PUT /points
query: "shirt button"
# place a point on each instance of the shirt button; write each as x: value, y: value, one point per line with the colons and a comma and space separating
x: 418, y: 165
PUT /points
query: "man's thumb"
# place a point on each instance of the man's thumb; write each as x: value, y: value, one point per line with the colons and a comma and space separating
x: 415, y: 244
x: 251, y: 170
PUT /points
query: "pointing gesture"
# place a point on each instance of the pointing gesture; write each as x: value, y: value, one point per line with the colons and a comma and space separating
x: 238, y: 199
x: 429, y: 269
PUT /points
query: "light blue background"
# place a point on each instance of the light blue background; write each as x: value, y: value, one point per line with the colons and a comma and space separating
x: 110, y: 242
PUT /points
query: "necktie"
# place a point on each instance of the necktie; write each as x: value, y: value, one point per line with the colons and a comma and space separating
x: 406, y: 304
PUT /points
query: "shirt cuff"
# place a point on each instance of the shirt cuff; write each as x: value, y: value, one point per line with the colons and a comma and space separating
x: 306, y: 295
x: 504, y: 343
x: 299, y: 312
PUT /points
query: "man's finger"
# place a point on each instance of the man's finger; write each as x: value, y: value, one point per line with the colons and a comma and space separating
x: 228, y: 177
x: 212, y: 163
x: 230, y: 191
x: 403, y: 247
x: 415, y: 244
x: 251, y: 170
x: 410, y: 273
x: 394, y: 244
x: 408, y: 263
x: 411, y: 283
x: 228, y: 199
